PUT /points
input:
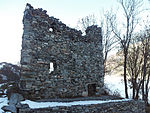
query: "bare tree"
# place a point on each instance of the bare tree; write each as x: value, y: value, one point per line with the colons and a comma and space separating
x: 146, y: 64
x: 130, y: 12
x: 138, y: 64
x: 134, y: 67
x: 109, y: 41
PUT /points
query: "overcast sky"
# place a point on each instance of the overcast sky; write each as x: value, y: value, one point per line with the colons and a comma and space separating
x: 68, y: 11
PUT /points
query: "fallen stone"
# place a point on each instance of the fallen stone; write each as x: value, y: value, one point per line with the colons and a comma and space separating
x: 11, y: 109
x: 15, y: 98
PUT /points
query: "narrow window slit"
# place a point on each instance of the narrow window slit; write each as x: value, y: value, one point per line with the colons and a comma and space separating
x: 51, y: 69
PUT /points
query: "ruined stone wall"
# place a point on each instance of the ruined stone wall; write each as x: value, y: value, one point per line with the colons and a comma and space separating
x: 77, y: 59
x: 111, y: 107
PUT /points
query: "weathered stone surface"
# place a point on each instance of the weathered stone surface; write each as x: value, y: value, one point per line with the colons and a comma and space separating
x: 10, y: 108
x: 111, y: 107
x: 22, y: 106
x: 77, y: 60
x: 15, y: 98
x: 14, y: 101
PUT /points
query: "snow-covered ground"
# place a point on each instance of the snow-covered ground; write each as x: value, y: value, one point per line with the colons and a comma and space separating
x: 54, y: 104
x: 3, y: 102
x: 32, y: 104
x: 1, y: 65
x: 115, y: 84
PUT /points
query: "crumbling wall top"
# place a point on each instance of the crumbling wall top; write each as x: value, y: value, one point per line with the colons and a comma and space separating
x: 55, y: 25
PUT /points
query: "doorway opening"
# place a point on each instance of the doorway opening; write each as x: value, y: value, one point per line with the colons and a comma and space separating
x: 91, y: 89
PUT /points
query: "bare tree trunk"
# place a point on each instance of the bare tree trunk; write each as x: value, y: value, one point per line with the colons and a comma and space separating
x: 147, y: 89
x: 125, y: 74
x: 105, y: 59
x: 137, y: 90
x: 143, y: 79
x: 143, y: 97
x: 133, y: 91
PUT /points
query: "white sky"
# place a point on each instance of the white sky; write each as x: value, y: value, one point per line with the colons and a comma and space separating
x: 68, y: 11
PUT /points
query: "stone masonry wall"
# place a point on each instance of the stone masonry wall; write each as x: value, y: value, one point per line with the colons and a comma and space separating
x: 117, y: 107
x: 77, y: 59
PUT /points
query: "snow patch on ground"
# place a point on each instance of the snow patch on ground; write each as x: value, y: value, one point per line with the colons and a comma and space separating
x: 14, y: 71
x: 1, y: 66
x: 3, y: 77
x: 2, y: 84
x: 3, y: 102
x: 115, y: 83
x: 34, y: 105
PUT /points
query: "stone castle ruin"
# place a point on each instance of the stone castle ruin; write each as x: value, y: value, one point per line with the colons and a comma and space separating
x: 57, y: 61
x: 59, y: 64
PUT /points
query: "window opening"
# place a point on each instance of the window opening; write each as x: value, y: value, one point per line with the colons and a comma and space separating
x: 51, y: 29
x: 51, y: 65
